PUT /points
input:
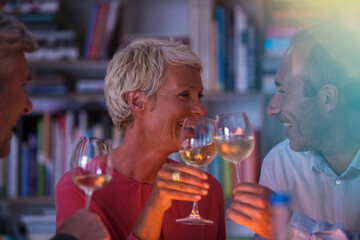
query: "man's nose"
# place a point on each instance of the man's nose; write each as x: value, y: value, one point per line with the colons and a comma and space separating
x: 273, y: 106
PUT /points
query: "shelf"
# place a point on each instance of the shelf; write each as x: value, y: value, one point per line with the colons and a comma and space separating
x: 55, y: 103
x: 27, y: 201
x: 77, y: 69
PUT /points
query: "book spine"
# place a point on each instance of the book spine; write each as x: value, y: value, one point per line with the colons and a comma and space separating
x: 215, y: 168
x: 24, y: 164
x: 100, y: 31
x: 228, y: 178
x: 240, y: 19
x: 90, y: 31
x: 32, y: 141
x: 13, y: 168
x: 220, y: 23
x: 40, y: 166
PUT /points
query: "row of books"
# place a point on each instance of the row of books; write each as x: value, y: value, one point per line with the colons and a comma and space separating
x: 285, y: 18
x: 44, y: 84
x: 235, y: 65
x: 39, y: 226
x: 39, y: 158
x: 104, y: 30
x: 41, y: 17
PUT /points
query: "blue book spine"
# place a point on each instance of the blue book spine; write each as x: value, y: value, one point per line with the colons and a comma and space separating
x: 48, y: 179
x: 24, y: 169
x: 32, y: 141
x: 90, y: 30
x: 215, y: 168
x: 220, y: 22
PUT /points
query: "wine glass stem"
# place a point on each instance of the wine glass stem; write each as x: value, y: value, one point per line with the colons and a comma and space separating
x: 195, y: 211
x: 88, y: 197
x: 237, y: 165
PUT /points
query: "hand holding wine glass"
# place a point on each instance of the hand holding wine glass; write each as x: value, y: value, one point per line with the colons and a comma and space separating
x: 196, y: 148
x: 234, y: 139
x: 91, y: 165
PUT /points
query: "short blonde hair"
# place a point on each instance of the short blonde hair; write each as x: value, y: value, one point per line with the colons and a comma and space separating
x: 140, y: 66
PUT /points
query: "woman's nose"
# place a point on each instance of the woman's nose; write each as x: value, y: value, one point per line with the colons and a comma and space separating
x: 199, y: 109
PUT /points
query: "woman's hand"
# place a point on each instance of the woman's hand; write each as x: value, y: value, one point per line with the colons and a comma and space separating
x: 191, y: 186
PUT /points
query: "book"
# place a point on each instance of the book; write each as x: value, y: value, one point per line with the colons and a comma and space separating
x: 98, y: 31
x: 240, y: 28
x: 32, y: 165
x: 12, y: 181
x: 215, y: 168
x: 253, y: 64
x: 24, y: 170
x: 92, y: 85
x: 114, y: 20
x: 3, y: 177
x: 40, y: 162
x: 276, y: 46
x: 201, y: 37
x: 228, y: 178
x: 90, y: 30
x: 221, y: 48
x: 250, y: 167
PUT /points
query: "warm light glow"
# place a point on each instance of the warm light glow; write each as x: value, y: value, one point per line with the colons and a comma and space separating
x: 239, y: 131
x: 225, y: 148
x: 307, y: 12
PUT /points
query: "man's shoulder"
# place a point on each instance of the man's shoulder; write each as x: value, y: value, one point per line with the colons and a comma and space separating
x: 284, y: 148
x: 283, y: 153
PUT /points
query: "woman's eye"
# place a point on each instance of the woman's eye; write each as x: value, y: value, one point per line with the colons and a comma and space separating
x: 184, y: 94
x: 201, y: 95
x: 281, y: 91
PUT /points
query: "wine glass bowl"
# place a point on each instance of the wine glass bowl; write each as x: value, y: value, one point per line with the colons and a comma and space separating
x: 234, y: 139
x: 196, y: 145
x: 91, y: 165
x: 196, y: 148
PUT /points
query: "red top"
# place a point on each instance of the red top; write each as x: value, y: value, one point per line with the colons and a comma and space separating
x: 120, y: 202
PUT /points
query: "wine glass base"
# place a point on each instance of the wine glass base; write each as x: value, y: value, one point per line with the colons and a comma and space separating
x: 194, y: 221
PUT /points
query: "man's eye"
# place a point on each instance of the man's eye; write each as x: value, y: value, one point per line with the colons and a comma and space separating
x: 281, y: 91
x: 201, y: 95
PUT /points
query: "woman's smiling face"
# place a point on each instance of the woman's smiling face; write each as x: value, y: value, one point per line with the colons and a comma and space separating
x: 178, y: 98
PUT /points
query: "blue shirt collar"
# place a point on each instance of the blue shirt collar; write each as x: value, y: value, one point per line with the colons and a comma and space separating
x: 320, y: 164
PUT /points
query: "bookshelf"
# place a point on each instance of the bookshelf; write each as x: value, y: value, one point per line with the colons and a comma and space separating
x: 192, y: 21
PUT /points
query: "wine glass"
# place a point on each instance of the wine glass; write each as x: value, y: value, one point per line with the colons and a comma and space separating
x: 234, y: 139
x: 196, y: 148
x: 91, y: 165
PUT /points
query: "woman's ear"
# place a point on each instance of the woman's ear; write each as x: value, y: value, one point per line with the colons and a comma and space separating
x: 328, y: 97
x: 135, y: 100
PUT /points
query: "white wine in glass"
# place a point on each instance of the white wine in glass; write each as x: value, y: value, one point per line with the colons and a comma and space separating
x: 91, y: 165
x: 196, y: 148
x: 234, y: 139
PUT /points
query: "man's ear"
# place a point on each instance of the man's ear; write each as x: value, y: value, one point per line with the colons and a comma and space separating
x: 328, y: 97
x: 135, y: 100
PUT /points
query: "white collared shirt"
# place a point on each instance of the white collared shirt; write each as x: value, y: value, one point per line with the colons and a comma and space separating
x: 324, y: 204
